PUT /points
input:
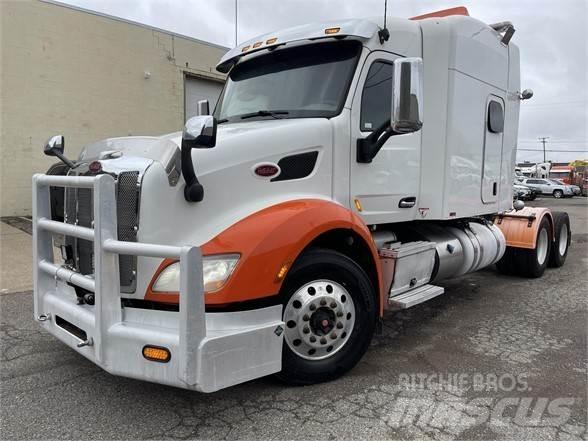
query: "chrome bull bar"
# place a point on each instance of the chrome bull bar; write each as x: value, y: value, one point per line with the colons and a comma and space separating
x: 209, y: 351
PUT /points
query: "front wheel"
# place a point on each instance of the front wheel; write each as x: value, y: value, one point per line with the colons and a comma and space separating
x: 330, y: 314
x: 558, y: 194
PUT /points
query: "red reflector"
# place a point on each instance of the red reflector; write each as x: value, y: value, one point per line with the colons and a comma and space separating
x: 266, y: 170
x: 95, y: 167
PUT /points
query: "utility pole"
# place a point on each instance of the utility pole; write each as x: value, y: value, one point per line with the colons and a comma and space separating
x: 543, y: 140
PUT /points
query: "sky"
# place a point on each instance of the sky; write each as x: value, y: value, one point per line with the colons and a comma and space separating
x: 551, y: 34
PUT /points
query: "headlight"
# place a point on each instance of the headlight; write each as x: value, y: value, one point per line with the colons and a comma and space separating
x: 216, y: 270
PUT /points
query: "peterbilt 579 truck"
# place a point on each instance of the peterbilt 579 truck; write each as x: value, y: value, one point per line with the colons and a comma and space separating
x: 347, y: 169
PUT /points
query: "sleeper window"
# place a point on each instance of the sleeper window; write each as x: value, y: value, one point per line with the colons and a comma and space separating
x: 376, y: 98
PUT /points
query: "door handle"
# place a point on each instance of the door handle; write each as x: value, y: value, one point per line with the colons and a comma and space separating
x: 408, y: 202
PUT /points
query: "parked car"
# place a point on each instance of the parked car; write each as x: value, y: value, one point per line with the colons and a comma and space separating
x: 576, y: 189
x: 548, y: 186
x: 524, y: 192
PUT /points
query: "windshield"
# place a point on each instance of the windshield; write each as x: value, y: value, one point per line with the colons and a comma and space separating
x: 553, y: 181
x: 305, y: 81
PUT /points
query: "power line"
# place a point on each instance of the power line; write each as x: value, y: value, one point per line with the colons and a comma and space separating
x: 523, y: 141
x: 561, y: 103
x: 552, y: 151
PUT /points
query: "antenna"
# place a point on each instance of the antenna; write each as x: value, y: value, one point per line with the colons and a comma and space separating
x: 236, y: 42
x: 384, y: 34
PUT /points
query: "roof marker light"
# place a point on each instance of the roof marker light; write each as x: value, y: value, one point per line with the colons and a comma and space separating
x: 271, y: 40
x: 257, y: 44
x: 245, y: 48
x: 330, y: 31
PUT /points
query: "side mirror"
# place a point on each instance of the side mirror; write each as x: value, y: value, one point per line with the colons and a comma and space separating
x: 407, y: 92
x: 199, y: 133
x: 203, y: 108
x: 526, y: 94
x: 54, y: 147
x: 407, y: 108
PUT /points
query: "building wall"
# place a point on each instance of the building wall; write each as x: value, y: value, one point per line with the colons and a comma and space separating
x: 66, y: 71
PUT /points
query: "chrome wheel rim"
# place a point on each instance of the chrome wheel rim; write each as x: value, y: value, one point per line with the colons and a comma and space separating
x: 319, y: 319
x: 563, y: 240
x: 542, y: 246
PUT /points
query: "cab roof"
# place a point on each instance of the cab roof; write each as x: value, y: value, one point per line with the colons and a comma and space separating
x: 364, y: 29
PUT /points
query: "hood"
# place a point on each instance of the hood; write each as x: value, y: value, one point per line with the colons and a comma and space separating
x: 232, y: 190
x: 252, y: 142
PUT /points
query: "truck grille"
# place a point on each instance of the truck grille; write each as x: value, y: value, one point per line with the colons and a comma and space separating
x: 79, y: 210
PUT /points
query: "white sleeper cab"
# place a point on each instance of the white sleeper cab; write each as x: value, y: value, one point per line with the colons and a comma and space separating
x: 347, y: 168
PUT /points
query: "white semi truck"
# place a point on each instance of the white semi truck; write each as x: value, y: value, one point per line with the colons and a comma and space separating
x: 348, y: 167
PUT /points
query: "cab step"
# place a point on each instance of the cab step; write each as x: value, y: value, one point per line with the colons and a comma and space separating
x: 414, y: 297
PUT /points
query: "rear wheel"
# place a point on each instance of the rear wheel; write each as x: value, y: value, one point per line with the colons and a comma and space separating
x: 525, y: 262
x: 506, y: 264
x: 563, y: 236
x: 532, y: 263
x: 558, y: 194
x: 330, y: 314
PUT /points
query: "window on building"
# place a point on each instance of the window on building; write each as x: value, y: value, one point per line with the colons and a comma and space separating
x: 376, y: 98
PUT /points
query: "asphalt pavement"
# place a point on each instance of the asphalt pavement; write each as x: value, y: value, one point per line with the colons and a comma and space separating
x: 495, y: 357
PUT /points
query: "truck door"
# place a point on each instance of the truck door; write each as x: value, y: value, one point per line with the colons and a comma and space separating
x: 492, y: 149
x: 387, y: 188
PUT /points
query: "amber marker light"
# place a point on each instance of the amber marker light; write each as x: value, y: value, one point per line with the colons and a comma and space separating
x: 257, y: 44
x: 358, y: 205
x: 245, y: 48
x: 271, y: 40
x: 156, y: 353
x: 331, y: 31
x: 282, y: 272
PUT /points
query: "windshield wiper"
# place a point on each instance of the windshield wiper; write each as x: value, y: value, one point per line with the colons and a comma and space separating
x: 271, y: 113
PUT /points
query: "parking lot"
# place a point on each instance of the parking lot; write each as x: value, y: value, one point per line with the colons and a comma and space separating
x: 496, y: 357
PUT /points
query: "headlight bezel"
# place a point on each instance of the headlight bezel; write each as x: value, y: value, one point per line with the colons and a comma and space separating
x: 214, y: 283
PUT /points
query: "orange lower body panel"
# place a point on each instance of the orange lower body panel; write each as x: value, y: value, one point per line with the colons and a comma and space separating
x: 269, y: 240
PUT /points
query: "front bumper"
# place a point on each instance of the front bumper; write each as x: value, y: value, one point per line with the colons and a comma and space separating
x: 209, y: 351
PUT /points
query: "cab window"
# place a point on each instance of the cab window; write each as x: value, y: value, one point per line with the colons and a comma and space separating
x: 376, y: 97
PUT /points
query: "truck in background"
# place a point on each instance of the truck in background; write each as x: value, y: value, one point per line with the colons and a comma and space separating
x: 540, y: 170
x: 348, y: 168
x: 564, y: 173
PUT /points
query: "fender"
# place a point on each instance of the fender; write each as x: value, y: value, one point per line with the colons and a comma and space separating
x: 520, y: 227
x: 267, y: 241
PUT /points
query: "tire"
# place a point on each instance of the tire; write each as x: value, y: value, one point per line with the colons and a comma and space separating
x: 343, y: 318
x: 506, y: 264
x: 532, y: 263
x: 558, y: 194
x: 563, y: 237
